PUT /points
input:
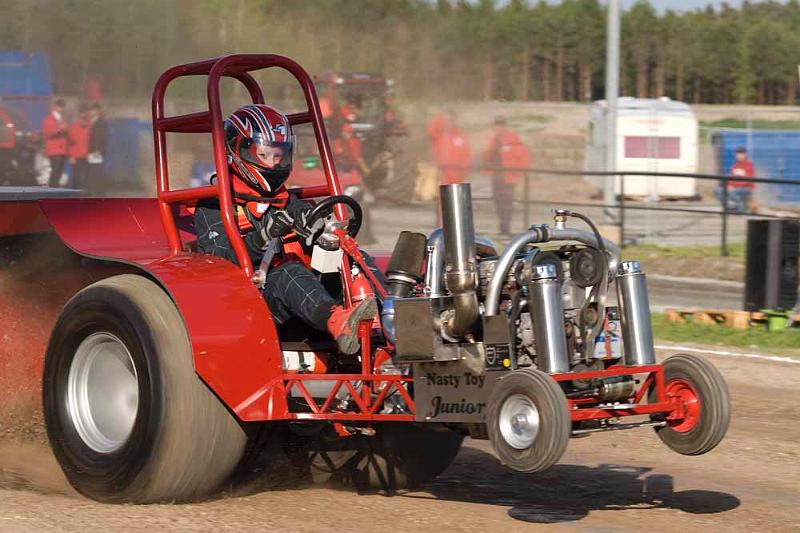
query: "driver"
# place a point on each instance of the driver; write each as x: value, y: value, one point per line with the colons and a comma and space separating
x: 260, y: 142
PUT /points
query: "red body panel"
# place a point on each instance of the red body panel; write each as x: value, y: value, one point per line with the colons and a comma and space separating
x: 235, y: 344
x: 119, y: 229
x: 233, y: 337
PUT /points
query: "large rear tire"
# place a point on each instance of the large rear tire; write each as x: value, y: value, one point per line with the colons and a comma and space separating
x: 400, y: 456
x: 528, y: 421
x: 127, y: 417
x: 702, y: 397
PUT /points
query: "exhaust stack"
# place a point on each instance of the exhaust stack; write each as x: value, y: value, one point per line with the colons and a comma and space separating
x: 461, y: 276
x: 637, y: 332
x: 547, y: 311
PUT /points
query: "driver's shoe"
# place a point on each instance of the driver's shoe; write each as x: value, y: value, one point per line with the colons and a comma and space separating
x: 343, y: 323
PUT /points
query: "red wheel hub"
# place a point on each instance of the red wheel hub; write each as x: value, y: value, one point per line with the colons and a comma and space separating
x: 687, y: 405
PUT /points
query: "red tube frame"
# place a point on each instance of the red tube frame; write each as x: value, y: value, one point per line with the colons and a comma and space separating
x: 211, y: 121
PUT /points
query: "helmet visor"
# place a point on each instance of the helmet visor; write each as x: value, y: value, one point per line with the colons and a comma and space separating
x: 266, y: 154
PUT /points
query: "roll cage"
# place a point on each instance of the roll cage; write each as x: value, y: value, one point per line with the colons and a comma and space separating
x: 238, y: 67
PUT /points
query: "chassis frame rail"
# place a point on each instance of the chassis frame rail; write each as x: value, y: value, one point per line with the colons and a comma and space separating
x: 581, y: 409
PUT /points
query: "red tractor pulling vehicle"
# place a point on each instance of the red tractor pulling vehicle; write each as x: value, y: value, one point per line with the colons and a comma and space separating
x: 162, y: 370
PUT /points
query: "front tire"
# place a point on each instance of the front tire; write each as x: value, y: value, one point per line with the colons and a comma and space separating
x: 127, y: 417
x: 701, y: 397
x: 528, y: 421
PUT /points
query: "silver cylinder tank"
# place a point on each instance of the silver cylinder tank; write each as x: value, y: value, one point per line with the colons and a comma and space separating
x: 544, y: 300
x: 637, y: 331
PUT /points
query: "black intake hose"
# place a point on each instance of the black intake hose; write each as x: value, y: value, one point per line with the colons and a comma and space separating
x: 405, y: 266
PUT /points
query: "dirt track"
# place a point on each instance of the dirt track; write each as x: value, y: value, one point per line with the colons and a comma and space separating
x: 608, y: 482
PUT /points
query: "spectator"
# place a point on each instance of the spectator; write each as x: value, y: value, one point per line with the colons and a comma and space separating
x: 351, y: 110
x: 740, y: 193
x: 451, y: 151
x: 505, y: 150
x: 56, y: 147
x: 98, y: 137
x: 347, y: 148
x: 79, y: 148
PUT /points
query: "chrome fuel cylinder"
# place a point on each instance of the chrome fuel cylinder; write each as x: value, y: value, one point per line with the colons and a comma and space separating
x: 637, y: 331
x: 547, y: 312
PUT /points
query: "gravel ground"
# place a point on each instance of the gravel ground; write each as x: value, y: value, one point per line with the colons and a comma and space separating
x: 609, y: 482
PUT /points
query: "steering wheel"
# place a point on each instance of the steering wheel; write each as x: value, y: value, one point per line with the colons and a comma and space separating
x: 325, y: 208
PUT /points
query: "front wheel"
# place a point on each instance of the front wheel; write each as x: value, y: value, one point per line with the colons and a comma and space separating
x: 702, y: 405
x: 528, y: 421
x: 127, y: 417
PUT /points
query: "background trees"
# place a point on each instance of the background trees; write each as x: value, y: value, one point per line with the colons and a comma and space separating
x: 477, y: 49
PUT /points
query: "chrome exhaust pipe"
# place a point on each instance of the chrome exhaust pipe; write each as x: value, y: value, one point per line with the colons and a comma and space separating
x: 544, y: 302
x: 460, y: 272
x: 637, y: 330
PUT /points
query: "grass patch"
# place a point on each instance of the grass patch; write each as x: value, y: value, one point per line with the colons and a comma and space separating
x: 655, y: 251
x: 755, y: 124
x: 757, y: 338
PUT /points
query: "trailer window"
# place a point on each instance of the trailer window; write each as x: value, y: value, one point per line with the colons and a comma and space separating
x: 653, y: 147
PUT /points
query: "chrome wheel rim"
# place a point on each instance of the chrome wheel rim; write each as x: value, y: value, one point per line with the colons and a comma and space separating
x: 519, y: 421
x: 103, y: 392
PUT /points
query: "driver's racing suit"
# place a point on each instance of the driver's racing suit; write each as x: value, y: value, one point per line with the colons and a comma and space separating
x: 290, y: 288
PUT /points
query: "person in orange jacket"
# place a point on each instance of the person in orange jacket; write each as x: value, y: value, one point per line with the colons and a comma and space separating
x: 505, y: 151
x: 78, y: 134
x: 451, y: 152
x: 56, y: 142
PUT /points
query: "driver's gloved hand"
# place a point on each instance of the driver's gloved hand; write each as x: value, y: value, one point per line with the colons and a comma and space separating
x: 297, y: 207
x: 275, y: 224
x: 278, y: 224
x: 299, y: 211
x: 304, y: 231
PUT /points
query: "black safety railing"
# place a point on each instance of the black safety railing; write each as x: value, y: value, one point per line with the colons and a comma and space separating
x: 622, y: 200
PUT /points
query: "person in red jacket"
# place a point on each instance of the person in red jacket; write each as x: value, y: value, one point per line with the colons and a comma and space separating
x: 740, y: 193
x: 451, y: 152
x: 56, y: 140
x: 78, y: 134
x: 505, y: 151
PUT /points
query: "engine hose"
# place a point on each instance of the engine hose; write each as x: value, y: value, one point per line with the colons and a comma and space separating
x: 516, y: 309
x: 598, y: 292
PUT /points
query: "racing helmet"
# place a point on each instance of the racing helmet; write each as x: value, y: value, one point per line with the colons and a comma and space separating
x: 260, y: 142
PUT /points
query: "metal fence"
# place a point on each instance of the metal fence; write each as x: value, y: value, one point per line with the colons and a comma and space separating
x: 619, y: 212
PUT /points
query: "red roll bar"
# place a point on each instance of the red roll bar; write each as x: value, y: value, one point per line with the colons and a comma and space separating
x: 211, y: 121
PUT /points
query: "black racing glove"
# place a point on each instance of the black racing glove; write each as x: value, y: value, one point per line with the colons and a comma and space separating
x: 278, y: 223
x: 299, y: 211
x: 273, y: 225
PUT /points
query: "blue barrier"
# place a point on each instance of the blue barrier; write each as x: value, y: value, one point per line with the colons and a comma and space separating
x: 775, y: 154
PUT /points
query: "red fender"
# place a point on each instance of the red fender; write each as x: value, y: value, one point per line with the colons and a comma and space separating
x: 235, y: 344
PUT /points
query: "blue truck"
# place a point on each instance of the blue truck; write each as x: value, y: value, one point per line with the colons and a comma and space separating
x: 26, y: 88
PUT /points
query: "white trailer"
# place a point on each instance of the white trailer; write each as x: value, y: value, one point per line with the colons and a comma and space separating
x: 653, y: 135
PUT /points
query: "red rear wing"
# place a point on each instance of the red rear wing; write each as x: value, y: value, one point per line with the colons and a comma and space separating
x: 211, y: 121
